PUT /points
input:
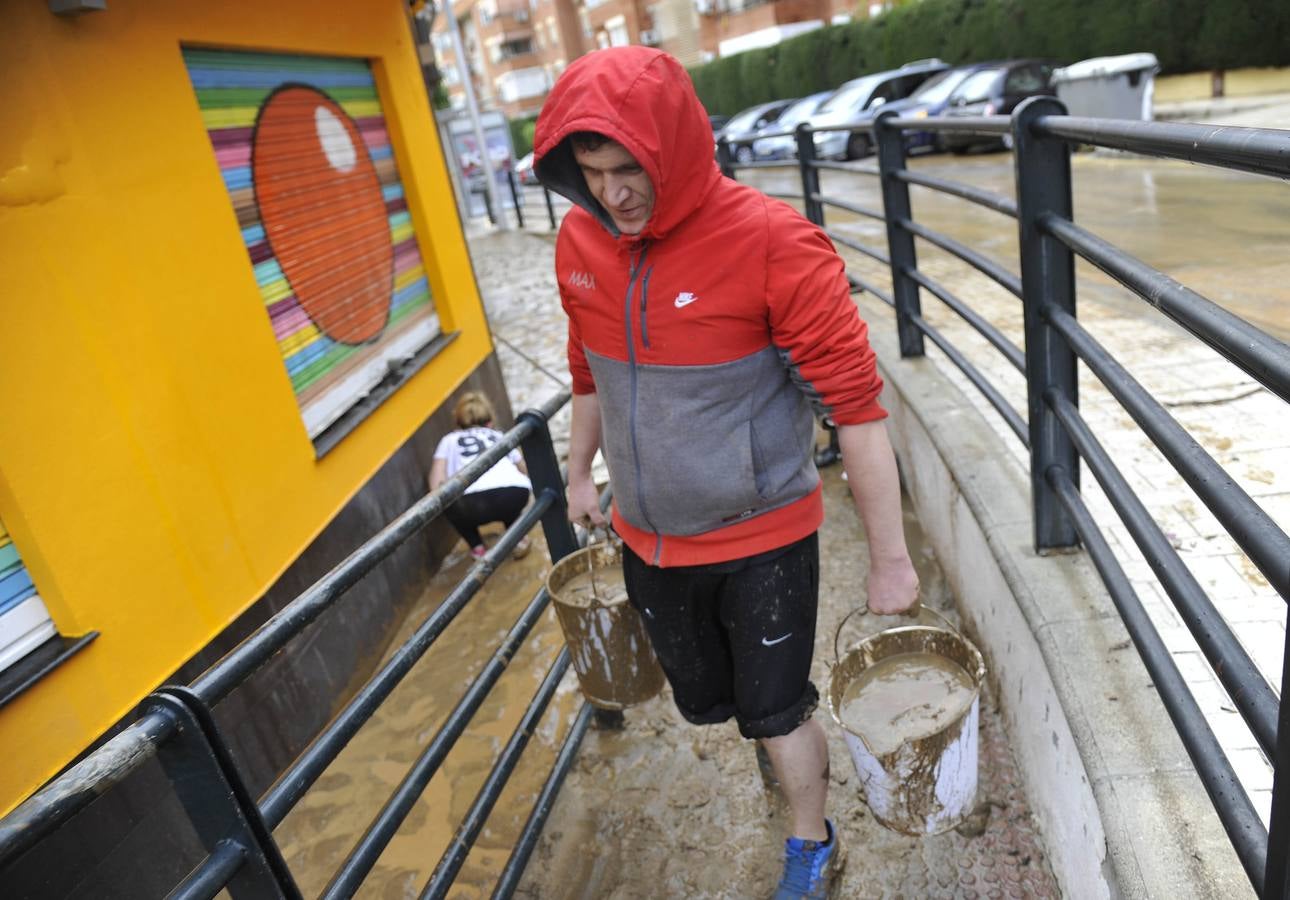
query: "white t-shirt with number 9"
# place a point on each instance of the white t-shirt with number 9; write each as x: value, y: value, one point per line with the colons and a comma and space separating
x: 459, y: 448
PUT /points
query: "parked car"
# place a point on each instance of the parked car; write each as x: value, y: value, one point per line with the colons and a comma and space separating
x: 931, y: 98
x: 524, y: 169
x: 749, y: 122
x: 718, y: 122
x: 861, y: 95
x: 784, y: 146
x: 996, y: 91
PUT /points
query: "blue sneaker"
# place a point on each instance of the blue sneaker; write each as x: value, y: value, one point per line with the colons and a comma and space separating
x: 810, y: 868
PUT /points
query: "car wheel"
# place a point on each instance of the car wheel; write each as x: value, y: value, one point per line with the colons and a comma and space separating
x: 858, y: 146
x: 744, y: 154
x: 960, y: 149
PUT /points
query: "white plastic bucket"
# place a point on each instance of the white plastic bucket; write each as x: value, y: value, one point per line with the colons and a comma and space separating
x: 926, y: 785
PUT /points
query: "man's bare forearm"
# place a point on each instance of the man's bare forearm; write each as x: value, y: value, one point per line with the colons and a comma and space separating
x: 584, y: 435
x: 584, y: 441
x: 875, y: 487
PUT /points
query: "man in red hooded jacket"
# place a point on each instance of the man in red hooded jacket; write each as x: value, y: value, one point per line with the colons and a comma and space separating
x: 706, y: 321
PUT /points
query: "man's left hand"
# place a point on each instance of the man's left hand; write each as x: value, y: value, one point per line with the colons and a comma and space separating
x: 893, y: 587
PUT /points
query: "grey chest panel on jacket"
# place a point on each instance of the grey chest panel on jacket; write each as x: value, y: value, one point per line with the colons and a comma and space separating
x: 694, y: 448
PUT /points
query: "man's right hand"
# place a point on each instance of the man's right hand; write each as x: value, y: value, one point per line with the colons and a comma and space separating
x: 584, y: 502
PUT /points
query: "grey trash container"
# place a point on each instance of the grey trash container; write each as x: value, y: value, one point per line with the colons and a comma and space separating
x: 1109, y: 87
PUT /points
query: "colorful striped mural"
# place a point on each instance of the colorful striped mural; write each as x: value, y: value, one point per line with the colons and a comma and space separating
x: 305, y: 155
x: 24, y: 623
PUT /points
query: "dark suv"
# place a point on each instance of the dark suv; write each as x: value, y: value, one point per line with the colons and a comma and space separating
x: 996, y: 90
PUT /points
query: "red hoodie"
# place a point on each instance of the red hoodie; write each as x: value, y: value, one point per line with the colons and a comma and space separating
x: 707, y: 337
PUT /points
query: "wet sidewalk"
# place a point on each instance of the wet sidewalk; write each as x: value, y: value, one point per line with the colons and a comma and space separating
x: 1220, y: 233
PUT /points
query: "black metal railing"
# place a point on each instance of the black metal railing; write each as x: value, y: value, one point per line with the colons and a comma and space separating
x: 532, y: 208
x: 176, y: 725
x: 1053, y: 430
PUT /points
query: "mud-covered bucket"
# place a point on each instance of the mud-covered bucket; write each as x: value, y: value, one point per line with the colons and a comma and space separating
x: 608, y: 646
x: 922, y: 782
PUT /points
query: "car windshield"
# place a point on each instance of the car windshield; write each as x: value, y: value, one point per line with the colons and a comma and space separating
x: 938, y: 88
x: 799, y: 112
x: 851, y: 96
x: 744, y: 120
x: 978, y: 86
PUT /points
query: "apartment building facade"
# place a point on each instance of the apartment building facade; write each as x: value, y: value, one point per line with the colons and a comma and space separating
x: 515, y: 49
x: 728, y: 27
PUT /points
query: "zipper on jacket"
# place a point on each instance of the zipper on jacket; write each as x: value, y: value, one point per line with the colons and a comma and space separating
x: 644, y: 301
x: 634, y: 269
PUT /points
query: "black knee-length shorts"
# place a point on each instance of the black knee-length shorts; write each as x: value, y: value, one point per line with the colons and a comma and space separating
x: 735, y: 638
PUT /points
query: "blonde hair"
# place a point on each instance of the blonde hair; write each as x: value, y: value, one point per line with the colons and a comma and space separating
x: 473, y: 409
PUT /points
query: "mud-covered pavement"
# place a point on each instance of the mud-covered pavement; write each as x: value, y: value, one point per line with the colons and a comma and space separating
x: 666, y: 809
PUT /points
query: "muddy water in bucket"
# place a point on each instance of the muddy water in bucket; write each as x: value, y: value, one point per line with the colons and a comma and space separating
x: 610, y: 650
x: 904, y: 698
x: 908, y: 701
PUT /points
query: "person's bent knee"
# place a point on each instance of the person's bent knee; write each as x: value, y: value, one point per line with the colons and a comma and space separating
x: 784, y: 722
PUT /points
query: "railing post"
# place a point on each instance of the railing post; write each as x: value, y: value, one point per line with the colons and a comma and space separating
x: 550, y: 210
x: 1043, y: 171
x: 488, y: 205
x: 725, y: 161
x: 1276, y: 878
x: 544, y: 471
x: 515, y: 197
x: 806, y: 158
x: 900, y: 243
x: 217, y: 802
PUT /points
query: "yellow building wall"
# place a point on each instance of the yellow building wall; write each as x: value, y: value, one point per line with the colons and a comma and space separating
x: 154, y: 469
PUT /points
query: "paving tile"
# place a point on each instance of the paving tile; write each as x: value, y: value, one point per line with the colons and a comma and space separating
x: 1194, y: 667
x: 1252, y: 769
x: 1265, y: 641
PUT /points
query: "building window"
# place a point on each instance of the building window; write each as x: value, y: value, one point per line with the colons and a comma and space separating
x: 512, y: 49
x: 24, y: 621
x: 523, y: 84
x: 312, y: 178
x: 616, y: 28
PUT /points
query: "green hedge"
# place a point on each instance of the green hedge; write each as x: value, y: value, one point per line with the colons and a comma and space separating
x: 522, y: 134
x: 1186, y: 35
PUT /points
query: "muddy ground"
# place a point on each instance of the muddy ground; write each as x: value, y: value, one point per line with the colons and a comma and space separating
x: 667, y: 809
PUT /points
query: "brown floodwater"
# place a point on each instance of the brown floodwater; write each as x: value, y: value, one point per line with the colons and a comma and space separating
x: 1220, y: 233
x: 320, y: 832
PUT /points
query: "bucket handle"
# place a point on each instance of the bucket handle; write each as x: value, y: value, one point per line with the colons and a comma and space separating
x: 912, y: 613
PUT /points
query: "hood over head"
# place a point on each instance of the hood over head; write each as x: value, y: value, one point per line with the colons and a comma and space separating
x: 643, y: 99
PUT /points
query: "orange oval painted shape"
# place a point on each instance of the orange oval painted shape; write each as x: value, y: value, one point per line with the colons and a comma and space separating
x: 319, y: 198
